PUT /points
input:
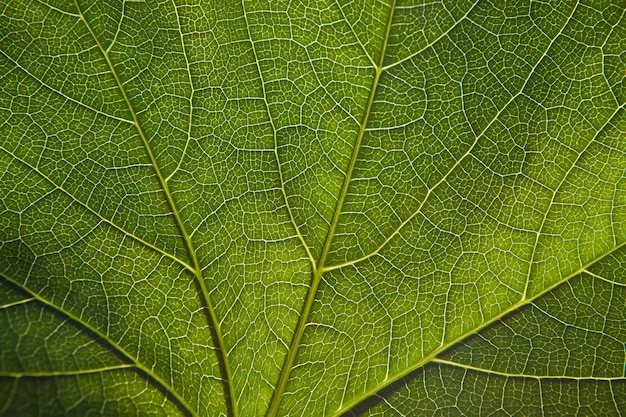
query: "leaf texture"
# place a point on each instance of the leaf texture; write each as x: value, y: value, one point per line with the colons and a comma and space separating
x: 312, y: 208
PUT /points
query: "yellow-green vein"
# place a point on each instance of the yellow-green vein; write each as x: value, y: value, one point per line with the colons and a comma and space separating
x: 197, y: 270
x: 554, y: 193
x: 509, y: 375
x: 158, y: 381
x: 52, y: 374
x: 458, y: 162
x: 447, y: 345
x: 318, y: 269
x: 100, y: 216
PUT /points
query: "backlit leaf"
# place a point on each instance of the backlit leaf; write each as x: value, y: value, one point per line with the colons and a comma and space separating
x: 312, y: 208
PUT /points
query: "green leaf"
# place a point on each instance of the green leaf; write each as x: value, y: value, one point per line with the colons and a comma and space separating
x: 312, y: 208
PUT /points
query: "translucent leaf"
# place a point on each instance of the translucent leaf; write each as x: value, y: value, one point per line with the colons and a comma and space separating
x: 312, y: 208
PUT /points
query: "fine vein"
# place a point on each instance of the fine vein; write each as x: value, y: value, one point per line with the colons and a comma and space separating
x: 100, y: 216
x: 61, y: 94
x: 197, y: 270
x: 277, y: 157
x: 318, y: 269
x: 533, y: 253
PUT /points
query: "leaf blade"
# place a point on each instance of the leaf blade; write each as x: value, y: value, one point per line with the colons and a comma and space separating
x: 488, y: 170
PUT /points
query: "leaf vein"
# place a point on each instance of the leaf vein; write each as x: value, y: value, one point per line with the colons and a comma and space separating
x: 433, y: 355
x: 274, y: 134
x: 554, y: 193
x: 60, y: 93
x: 319, y: 269
x: 156, y: 380
x: 520, y: 375
x: 100, y: 216
x: 204, y: 293
x: 455, y: 165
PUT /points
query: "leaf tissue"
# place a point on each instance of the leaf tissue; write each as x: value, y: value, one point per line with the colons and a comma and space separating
x: 312, y: 208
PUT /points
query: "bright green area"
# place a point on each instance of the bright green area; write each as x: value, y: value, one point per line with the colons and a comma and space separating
x: 312, y: 208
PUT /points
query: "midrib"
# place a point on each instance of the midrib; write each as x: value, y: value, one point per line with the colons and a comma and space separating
x: 318, y: 268
x: 197, y: 270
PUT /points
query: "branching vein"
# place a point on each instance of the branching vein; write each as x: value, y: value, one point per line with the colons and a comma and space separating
x: 214, y: 322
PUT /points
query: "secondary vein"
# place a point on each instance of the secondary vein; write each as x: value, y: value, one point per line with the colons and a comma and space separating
x: 273, y: 125
x: 53, y: 374
x: 197, y: 270
x: 157, y: 380
x: 98, y: 215
x: 466, y: 154
x: 525, y: 376
x: 450, y: 343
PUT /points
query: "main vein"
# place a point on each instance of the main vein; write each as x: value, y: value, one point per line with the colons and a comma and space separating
x: 525, y: 376
x: 197, y: 270
x: 318, y: 268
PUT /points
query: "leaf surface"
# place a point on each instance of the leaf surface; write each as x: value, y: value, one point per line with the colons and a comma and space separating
x: 312, y: 208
